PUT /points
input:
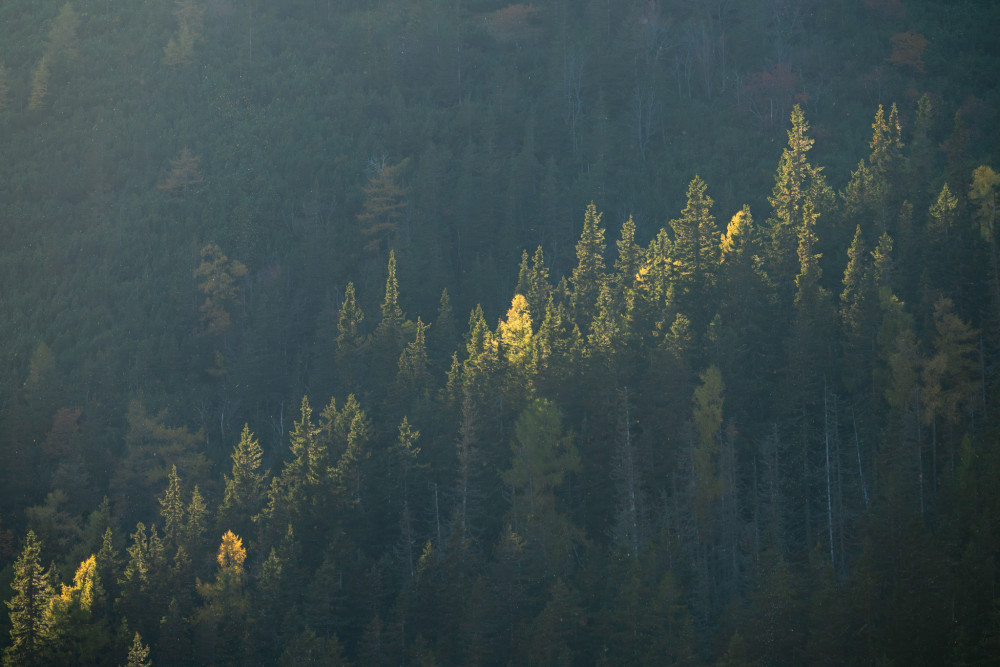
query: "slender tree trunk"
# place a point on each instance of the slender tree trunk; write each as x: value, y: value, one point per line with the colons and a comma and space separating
x: 829, y: 490
x: 861, y: 471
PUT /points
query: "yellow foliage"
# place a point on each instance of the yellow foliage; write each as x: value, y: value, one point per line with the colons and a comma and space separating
x: 231, y: 553
x: 81, y: 594
x: 515, y: 332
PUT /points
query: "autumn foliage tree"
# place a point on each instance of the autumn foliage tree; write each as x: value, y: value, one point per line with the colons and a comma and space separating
x: 218, y: 275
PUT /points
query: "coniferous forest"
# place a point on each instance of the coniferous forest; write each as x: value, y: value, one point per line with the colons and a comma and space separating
x: 470, y: 332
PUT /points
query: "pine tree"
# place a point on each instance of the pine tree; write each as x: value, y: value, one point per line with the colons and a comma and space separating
x: 588, y: 275
x: 387, y: 340
x: 414, y: 363
x: 943, y: 213
x: 406, y: 452
x: 541, y: 456
x: 172, y: 509
x: 629, y: 257
x: 138, y: 653
x: 695, y: 253
x: 349, y: 319
x: 29, y: 620
x: 745, y: 299
x: 796, y: 182
x: 858, y: 304
x: 197, y: 513
x: 245, y: 489
x: 349, y: 472
x: 444, y: 335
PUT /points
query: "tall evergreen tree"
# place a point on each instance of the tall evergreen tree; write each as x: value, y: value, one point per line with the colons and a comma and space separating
x: 695, y: 254
x: 796, y: 182
x: 588, y: 275
x: 138, y: 653
x: 349, y: 337
x: 29, y: 620
x: 245, y: 489
x: 172, y: 509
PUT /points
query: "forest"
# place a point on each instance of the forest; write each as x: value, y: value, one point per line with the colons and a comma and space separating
x: 470, y: 332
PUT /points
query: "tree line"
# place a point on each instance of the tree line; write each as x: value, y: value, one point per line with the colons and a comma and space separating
x: 768, y: 442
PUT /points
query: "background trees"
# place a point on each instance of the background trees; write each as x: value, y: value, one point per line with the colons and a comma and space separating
x: 680, y: 446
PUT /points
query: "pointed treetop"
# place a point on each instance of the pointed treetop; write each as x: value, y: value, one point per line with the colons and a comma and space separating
x: 629, y: 255
x: 589, y: 271
x: 391, y: 313
x: 349, y: 320
x: 740, y: 241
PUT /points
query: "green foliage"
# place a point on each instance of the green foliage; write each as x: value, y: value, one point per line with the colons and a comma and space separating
x: 685, y: 520
x: 29, y: 620
x: 138, y: 653
x: 245, y: 489
x: 588, y: 276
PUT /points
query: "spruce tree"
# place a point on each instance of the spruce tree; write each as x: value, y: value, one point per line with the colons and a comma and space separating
x: 172, y: 509
x: 244, y: 490
x: 795, y: 182
x: 588, y: 275
x: 29, y: 619
x: 138, y: 653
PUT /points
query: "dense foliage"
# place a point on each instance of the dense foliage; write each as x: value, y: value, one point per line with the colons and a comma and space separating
x: 726, y: 394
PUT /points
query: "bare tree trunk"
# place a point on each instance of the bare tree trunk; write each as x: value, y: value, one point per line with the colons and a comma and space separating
x: 861, y: 472
x: 829, y: 489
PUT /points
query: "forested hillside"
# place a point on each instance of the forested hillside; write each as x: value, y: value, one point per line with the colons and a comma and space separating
x: 469, y: 332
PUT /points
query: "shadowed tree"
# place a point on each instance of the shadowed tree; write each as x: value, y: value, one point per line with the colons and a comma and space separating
x: 138, y: 653
x: 244, y: 492
x: 384, y: 206
x: 588, y: 275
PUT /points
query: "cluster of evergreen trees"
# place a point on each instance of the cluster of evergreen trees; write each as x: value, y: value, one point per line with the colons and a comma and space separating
x: 773, y: 443
x: 763, y: 433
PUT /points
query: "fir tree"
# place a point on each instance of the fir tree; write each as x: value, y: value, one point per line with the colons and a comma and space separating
x: 796, y: 182
x: 244, y: 490
x: 588, y: 275
x: 138, y: 653
x: 29, y: 619
x: 172, y: 509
